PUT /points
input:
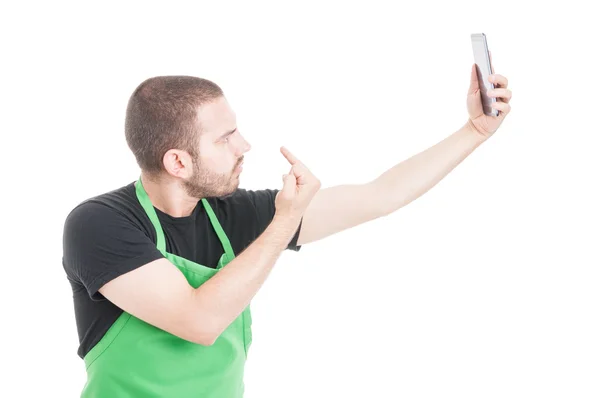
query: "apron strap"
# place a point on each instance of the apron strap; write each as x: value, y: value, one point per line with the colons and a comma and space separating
x: 160, y: 236
x: 219, y: 230
x: 149, y: 208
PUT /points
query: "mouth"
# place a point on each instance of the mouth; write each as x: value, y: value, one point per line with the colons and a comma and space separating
x: 240, y: 167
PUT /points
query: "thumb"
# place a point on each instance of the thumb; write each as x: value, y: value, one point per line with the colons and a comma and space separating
x: 289, y: 185
x: 474, y: 86
x: 285, y: 175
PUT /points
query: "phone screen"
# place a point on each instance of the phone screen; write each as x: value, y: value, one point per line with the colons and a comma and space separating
x: 484, y: 70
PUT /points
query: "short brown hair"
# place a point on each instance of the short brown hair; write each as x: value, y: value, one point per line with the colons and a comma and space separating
x: 162, y: 115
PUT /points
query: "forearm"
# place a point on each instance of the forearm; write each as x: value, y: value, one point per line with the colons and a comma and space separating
x: 415, y: 176
x: 223, y: 297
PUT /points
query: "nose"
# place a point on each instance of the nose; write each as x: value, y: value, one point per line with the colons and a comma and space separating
x: 247, y: 146
x: 243, y: 147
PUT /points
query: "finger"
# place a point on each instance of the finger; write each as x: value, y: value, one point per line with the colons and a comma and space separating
x: 501, y: 94
x: 295, y: 171
x: 299, y: 173
x: 298, y: 170
x: 502, y: 107
x: 289, y: 156
x: 474, y: 85
x: 491, y: 63
x: 499, y: 81
x: 289, y: 186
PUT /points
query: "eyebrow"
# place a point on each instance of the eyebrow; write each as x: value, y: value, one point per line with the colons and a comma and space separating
x: 228, y: 133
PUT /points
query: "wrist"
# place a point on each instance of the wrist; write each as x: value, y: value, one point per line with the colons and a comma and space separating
x: 473, y: 130
x: 286, y: 222
x: 284, y: 227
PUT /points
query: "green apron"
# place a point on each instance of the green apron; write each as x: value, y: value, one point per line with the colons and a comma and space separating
x: 136, y: 359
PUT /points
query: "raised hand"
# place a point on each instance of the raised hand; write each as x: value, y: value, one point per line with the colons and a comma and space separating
x: 299, y: 188
x: 481, y: 122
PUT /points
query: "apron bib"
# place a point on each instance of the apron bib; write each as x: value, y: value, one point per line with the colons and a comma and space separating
x: 136, y: 359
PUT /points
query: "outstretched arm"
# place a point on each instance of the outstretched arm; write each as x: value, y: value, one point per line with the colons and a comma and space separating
x: 341, y: 207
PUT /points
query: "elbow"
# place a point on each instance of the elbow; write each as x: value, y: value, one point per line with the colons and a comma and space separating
x: 204, y: 332
x: 202, y: 325
x: 204, y: 340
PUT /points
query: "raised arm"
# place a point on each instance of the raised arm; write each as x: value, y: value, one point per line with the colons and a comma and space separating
x: 337, y: 208
x: 341, y: 207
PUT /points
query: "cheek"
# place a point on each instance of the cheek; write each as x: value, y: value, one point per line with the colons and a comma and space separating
x: 218, y: 164
x: 218, y: 159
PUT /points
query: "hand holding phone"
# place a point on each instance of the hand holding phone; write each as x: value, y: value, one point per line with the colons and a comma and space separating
x: 484, y: 70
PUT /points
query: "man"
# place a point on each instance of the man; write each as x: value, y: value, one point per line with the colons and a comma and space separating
x: 163, y: 270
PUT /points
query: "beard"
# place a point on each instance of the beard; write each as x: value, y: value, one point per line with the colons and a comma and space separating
x: 206, y: 183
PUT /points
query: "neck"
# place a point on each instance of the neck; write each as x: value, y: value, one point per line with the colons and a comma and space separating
x: 168, y: 196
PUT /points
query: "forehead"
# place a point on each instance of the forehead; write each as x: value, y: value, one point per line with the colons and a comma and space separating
x: 216, y: 117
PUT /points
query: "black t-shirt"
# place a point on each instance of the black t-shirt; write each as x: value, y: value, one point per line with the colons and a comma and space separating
x: 110, y: 235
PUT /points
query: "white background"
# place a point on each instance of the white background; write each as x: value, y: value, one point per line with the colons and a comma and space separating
x: 486, y: 286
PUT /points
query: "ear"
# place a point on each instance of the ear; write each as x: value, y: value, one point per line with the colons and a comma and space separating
x: 178, y: 163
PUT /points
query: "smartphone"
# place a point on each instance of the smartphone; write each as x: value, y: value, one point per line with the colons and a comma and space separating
x: 484, y: 70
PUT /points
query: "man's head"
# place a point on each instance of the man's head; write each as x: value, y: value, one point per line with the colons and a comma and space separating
x: 183, y: 127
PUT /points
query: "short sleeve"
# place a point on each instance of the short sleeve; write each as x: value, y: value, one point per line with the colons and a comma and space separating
x: 100, y: 244
x: 264, y: 204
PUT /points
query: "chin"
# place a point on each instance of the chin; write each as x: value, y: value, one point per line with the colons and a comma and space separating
x: 233, y: 187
